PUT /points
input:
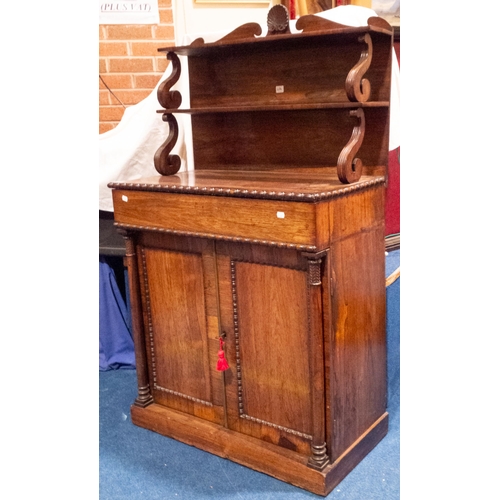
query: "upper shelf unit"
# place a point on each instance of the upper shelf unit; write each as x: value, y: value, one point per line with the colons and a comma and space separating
x: 332, y: 79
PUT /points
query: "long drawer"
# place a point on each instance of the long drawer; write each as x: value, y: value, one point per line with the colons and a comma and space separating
x: 279, y: 222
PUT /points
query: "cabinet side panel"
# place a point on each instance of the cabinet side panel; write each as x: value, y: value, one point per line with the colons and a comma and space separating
x: 358, y: 360
x: 176, y: 305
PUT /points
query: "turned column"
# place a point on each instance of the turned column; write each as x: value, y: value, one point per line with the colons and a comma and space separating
x: 144, y: 397
x: 319, y: 458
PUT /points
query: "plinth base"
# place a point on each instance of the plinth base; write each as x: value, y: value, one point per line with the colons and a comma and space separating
x: 264, y: 457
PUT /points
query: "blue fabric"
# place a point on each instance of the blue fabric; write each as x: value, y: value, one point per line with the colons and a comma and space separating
x: 116, y: 346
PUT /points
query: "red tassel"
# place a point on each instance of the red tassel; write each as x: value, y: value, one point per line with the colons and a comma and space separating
x: 222, y: 363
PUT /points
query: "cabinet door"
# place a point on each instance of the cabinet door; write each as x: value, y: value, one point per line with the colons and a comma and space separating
x: 179, y: 303
x: 265, y: 315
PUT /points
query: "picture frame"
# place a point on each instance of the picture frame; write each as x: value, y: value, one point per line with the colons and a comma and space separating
x: 262, y: 2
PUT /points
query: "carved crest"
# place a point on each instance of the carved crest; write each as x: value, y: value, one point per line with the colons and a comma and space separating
x: 277, y: 20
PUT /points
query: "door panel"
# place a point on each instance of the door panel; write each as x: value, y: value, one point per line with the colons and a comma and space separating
x: 178, y: 288
x: 265, y: 315
x: 178, y: 323
x: 272, y: 331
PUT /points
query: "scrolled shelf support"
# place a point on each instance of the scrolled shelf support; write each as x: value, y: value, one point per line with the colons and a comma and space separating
x: 349, y: 168
x: 170, y: 99
x: 165, y: 163
x: 358, y: 89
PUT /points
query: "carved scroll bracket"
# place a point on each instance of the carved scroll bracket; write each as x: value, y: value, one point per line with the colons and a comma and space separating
x: 311, y: 23
x: 349, y: 168
x: 170, y: 99
x: 358, y: 88
x: 165, y: 163
x: 248, y: 30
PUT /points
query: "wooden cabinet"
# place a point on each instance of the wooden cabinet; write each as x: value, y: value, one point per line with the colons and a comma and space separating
x: 263, y: 253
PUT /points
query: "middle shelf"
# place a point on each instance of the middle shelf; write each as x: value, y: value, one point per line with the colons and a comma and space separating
x: 277, y: 107
x: 348, y: 135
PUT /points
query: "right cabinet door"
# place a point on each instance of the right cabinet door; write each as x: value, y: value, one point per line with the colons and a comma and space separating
x: 264, y: 316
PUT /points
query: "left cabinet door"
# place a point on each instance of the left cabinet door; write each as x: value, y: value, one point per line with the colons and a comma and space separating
x: 180, y: 313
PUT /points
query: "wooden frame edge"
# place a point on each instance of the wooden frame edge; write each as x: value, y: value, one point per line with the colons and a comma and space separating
x: 392, y: 242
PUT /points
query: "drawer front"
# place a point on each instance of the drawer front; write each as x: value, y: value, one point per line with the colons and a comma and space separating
x: 267, y: 221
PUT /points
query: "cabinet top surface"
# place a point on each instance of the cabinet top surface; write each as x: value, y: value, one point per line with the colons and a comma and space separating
x: 299, y: 184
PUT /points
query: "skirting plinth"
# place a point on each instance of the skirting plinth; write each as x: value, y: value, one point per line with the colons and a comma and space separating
x: 258, y: 455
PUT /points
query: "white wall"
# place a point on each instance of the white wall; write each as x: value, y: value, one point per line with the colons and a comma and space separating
x: 193, y: 18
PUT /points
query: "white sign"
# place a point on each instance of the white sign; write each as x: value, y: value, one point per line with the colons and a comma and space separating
x: 129, y: 12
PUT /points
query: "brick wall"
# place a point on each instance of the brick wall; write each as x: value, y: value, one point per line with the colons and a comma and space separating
x: 129, y: 63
